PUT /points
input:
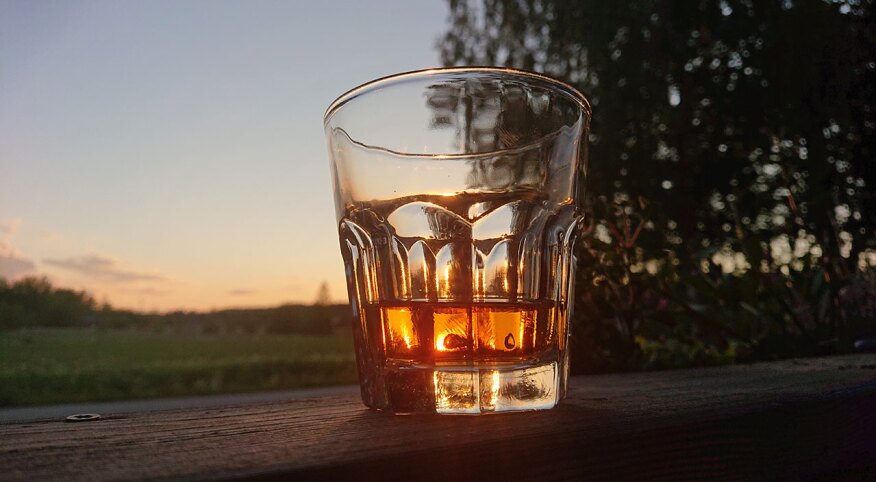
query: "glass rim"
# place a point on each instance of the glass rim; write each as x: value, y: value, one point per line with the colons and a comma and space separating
x: 566, y: 89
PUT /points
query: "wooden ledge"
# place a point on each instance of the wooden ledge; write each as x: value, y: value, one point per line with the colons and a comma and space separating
x: 805, y: 418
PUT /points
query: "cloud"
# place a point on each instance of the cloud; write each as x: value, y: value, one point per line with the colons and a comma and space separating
x: 12, y: 263
x: 8, y: 229
x: 240, y: 292
x: 101, y: 267
x: 13, y: 266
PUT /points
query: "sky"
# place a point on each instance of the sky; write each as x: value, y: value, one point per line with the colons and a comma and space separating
x: 169, y: 155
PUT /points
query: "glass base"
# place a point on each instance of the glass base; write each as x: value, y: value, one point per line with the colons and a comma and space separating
x: 460, y: 389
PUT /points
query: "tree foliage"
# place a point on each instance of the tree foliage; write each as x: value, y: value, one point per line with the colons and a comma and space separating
x: 731, y: 173
x: 35, y: 302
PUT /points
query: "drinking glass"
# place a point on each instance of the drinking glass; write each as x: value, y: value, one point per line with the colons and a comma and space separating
x: 456, y: 196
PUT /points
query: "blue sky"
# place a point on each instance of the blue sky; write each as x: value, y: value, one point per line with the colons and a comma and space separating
x: 169, y: 154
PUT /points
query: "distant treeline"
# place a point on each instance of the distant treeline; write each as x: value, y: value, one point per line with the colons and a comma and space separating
x: 34, y: 302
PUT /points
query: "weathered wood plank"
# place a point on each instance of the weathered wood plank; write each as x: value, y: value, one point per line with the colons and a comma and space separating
x: 790, y: 419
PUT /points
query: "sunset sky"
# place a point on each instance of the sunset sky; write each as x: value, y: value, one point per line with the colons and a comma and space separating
x: 170, y: 155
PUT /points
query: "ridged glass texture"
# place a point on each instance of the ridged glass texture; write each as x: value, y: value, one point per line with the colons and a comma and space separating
x: 456, y: 198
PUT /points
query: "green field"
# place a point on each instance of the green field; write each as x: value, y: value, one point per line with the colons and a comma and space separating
x: 42, y: 366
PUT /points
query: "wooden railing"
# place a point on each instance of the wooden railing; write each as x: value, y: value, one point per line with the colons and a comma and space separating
x: 793, y: 419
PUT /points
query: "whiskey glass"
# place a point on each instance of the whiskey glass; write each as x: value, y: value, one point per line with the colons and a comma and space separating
x: 456, y: 194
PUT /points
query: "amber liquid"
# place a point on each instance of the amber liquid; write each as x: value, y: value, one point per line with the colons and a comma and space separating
x: 460, y: 300
x: 431, y: 352
x: 427, y: 332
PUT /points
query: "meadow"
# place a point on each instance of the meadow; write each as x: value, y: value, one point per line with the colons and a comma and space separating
x: 64, y: 365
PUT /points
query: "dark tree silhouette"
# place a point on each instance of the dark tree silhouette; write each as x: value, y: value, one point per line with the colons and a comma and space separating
x: 323, y: 296
x: 731, y: 175
x: 34, y: 301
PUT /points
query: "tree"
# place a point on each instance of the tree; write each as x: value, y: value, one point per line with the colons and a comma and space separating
x: 323, y: 296
x: 732, y: 173
x: 33, y: 301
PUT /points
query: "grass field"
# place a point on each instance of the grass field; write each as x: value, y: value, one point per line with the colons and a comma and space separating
x: 42, y: 366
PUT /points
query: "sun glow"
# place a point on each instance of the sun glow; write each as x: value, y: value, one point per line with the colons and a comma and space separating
x: 452, y: 329
x: 399, y: 326
x: 439, y: 342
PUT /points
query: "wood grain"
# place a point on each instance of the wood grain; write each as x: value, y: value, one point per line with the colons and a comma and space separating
x: 794, y: 419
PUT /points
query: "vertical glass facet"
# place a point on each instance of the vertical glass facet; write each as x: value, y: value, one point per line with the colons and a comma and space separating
x: 456, y: 193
